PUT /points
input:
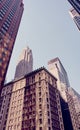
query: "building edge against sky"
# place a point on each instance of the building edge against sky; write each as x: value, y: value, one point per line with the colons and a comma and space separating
x: 10, y: 16
x: 75, y: 4
x: 56, y: 68
x: 75, y: 16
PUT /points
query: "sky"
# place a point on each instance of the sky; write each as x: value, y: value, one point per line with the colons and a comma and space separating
x: 47, y: 28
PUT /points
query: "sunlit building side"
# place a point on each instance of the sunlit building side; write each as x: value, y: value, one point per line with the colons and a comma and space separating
x: 56, y: 68
x: 33, y: 103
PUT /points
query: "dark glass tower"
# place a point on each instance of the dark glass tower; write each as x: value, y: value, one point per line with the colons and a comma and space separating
x: 10, y: 16
x: 75, y: 4
x: 76, y: 17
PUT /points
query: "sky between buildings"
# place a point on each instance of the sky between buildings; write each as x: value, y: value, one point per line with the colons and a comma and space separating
x: 48, y: 29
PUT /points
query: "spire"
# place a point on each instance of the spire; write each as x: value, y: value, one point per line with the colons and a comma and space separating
x: 25, y: 63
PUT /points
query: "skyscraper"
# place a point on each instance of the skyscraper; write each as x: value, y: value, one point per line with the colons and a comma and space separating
x: 75, y: 4
x: 10, y: 17
x: 76, y: 100
x: 25, y: 63
x: 56, y: 68
x: 31, y: 103
x: 75, y: 16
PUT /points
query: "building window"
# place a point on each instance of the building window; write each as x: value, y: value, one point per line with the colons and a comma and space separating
x: 39, y: 78
x: 40, y: 121
x: 48, y: 113
x: 48, y: 106
x: 48, y: 121
x: 39, y: 99
x: 0, y: 117
x: 40, y: 113
x: 39, y: 94
x: 40, y: 106
x: 2, y: 112
x: 46, y: 94
x: 4, y: 128
x: 47, y: 99
x: 40, y: 128
x: 49, y: 128
x: 5, y: 123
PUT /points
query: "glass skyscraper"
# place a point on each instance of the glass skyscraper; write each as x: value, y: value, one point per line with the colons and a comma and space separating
x: 10, y: 16
x: 76, y: 17
x: 75, y: 4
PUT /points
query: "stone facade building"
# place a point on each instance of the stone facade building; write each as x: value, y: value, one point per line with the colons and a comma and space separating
x: 33, y: 103
x: 56, y: 68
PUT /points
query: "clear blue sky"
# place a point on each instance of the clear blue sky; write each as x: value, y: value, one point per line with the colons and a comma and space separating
x: 48, y: 29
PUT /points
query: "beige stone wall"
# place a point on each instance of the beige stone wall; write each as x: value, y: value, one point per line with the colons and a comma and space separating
x: 14, y: 121
x: 43, y: 110
x: 41, y: 106
x: 44, y: 99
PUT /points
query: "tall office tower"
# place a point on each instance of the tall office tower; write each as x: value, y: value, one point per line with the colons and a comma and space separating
x: 76, y: 100
x: 75, y: 4
x: 25, y: 63
x: 10, y: 17
x: 56, y: 68
x: 33, y: 103
x: 75, y: 16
